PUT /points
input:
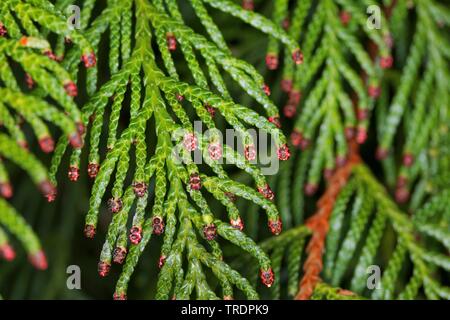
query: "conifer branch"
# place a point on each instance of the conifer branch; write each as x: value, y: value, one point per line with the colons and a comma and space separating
x: 166, y: 68
x: 428, y: 117
x: 49, y: 100
x: 319, y: 225
x: 162, y: 22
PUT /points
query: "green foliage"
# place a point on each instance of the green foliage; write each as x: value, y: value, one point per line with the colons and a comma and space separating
x: 418, y: 112
x: 48, y: 102
x: 326, y: 292
x: 354, y: 244
x: 179, y: 206
x: 321, y: 89
x: 166, y: 66
x: 358, y: 236
x: 363, y: 220
x: 286, y: 253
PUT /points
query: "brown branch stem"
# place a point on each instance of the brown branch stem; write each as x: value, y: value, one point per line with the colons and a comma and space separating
x: 318, y: 224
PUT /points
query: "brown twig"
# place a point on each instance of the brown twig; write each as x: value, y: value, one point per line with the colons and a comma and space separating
x: 318, y: 224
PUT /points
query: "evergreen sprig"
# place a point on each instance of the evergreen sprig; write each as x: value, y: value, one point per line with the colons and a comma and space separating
x: 179, y: 206
x: 48, y: 100
x: 362, y: 217
x: 166, y: 68
x: 420, y: 104
x: 360, y: 237
x: 328, y: 83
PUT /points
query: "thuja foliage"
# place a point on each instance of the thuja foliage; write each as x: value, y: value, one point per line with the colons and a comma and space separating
x: 374, y: 215
x: 325, y: 85
x: 145, y: 73
x: 26, y: 57
x: 177, y: 206
x: 360, y: 226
